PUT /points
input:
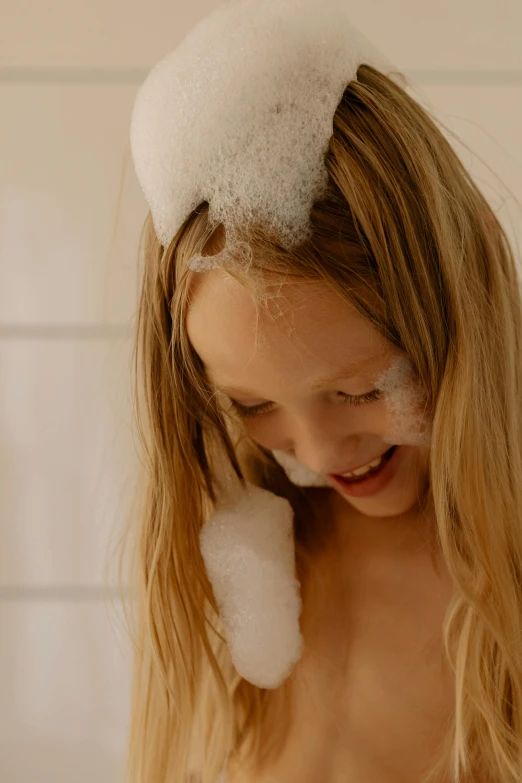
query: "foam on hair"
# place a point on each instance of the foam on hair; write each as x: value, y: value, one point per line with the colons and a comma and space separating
x: 240, y: 115
x: 249, y: 554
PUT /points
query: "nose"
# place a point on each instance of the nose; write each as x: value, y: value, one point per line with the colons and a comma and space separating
x: 323, y: 450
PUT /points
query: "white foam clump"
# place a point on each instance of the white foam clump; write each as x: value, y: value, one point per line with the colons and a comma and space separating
x: 408, y: 424
x: 249, y: 554
x: 298, y: 473
x: 240, y: 115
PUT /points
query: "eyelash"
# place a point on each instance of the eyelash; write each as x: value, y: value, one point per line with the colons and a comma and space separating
x: 351, y: 399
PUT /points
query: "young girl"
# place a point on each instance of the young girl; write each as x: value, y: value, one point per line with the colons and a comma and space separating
x: 380, y: 640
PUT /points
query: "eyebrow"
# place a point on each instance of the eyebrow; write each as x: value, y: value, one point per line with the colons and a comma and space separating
x: 348, y: 371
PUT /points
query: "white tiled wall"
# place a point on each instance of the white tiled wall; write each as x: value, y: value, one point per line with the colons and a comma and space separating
x: 70, y: 259
x: 70, y: 216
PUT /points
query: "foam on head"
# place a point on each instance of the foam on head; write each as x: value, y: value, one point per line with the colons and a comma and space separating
x: 240, y: 114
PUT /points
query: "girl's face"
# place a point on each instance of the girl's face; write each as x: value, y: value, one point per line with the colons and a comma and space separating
x: 304, y: 381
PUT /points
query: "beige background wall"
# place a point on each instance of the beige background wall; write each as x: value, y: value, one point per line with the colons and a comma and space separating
x: 68, y: 73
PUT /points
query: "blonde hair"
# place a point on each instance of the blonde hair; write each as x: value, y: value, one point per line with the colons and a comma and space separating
x: 408, y: 239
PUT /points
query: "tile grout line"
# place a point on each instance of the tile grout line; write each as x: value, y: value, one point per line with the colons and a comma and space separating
x: 67, y: 75
x: 465, y: 76
x: 57, y: 593
x: 115, y: 76
x: 65, y: 331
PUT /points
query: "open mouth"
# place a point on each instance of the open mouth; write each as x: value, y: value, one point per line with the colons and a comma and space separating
x: 385, y: 458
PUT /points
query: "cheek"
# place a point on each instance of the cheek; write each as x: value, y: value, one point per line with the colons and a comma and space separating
x: 407, y: 421
x: 267, y: 433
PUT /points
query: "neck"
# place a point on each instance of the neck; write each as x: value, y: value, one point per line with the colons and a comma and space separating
x: 353, y: 530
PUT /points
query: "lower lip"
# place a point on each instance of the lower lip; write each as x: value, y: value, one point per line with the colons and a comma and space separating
x: 373, y: 483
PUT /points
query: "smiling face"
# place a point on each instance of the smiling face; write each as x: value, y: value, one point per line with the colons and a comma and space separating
x: 302, y: 375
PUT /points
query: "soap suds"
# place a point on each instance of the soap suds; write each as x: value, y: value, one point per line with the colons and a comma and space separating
x: 408, y: 424
x: 240, y: 115
x: 248, y: 550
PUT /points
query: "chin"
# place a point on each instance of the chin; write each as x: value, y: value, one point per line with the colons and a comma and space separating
x: 382, y: 509
x: 406, y: 496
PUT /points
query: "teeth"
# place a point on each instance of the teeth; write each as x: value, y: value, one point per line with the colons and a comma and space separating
x: 365, y: 468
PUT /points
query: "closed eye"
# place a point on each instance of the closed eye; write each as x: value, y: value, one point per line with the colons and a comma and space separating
x: 267, y: 407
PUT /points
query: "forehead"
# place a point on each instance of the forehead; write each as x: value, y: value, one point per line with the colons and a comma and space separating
x: 301, y: 328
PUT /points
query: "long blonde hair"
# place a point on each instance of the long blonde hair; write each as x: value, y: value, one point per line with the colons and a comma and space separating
x: 408, y: 239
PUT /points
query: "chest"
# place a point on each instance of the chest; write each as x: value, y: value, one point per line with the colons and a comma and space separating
x: 373, y: 679
x: 372, y: 693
